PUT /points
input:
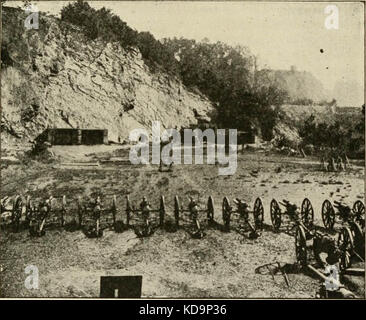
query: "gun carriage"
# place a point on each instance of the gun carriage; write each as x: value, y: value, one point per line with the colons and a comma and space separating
x: 192, y: 213
x: 353, y: 224
x: 145, y: 219
x: 95, y: 217
x: 240, y: 215
x: 292, y: 213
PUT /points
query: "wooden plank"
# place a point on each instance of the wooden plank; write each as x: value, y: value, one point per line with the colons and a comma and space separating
x: 355, y: 271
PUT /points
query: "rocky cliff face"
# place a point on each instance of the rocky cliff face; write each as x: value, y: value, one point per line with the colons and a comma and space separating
x: 54, y: 77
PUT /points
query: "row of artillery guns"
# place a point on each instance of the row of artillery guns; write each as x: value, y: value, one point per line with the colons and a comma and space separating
x: 93, y: 215
x: 342, y: 239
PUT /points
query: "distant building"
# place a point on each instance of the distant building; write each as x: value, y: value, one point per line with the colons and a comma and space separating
x: 69, y: 136
x: 247, y: 137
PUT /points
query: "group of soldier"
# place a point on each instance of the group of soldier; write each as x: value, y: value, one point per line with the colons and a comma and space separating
x: 333, y: 163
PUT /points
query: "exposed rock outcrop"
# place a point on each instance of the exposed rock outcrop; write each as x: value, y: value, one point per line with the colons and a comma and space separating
x: 55, y: 77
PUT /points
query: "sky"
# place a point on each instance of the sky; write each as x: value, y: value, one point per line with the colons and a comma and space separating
x: 281, y: 34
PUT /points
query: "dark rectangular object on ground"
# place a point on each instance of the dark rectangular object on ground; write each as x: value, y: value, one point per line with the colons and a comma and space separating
x: 120, y: 286
x: 70, y: 136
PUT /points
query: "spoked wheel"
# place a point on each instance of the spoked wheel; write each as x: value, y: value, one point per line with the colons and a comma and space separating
x: 162, y: 211
x: 210, y: 209
x: 359, y: 211
x: 307, y: 213
x: 176, y: 210
x: 226, y: 213
x: 63, y: 211
x: 16, y: 212
x: 300, y: 246
x: 258, y: 212
x: 128, y: 210
x: 275, y: 214
x: 346, y: 246
x: 28, y: 210
x: 328, y: 215
x: 80, y: 212
x: 359, y: 208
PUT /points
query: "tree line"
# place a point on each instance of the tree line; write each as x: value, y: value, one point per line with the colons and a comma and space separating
x: 225, y: 74
x: 344, y: 136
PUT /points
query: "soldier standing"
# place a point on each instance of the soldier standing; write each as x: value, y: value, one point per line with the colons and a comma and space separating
x: 340, y: 165
x: 323, y: 165
x: 346, y: 161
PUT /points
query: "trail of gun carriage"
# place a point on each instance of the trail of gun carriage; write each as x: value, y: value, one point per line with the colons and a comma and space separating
x: 74, y: 206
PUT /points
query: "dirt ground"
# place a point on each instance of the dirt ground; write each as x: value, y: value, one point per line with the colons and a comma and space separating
x: 172, y: 264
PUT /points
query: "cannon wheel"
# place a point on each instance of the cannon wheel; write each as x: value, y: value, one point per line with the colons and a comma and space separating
x: 359, y: 210
x: 210, y: 209
x: 28, y: 210
x: 80, y: 212
x: 307, y: 213
x: 162, y: 211
x: 16, y: 212
x: 258, y: 213
x: 114, y: 209
x: 128, y: 210
x: 176, y: 210
x: 300, y: 246
x: 275, y: 214
x: 346, y: 245
x: 359, y: 207
x: 328, y: 215
x: 226, y: 212
x: 63, y: 210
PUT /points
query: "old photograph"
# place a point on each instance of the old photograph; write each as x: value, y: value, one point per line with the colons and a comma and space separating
x: 182, y: 149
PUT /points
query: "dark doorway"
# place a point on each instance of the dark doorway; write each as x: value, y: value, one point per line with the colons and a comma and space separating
x: 120, y: 286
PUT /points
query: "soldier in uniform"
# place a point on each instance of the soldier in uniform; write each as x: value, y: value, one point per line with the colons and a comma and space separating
x: 340, y: 165
x: 331, y: 164
x: 346, y: 161
x: 323, y: 165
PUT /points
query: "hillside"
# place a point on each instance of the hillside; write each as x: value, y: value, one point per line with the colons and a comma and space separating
x: 55, y: 77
